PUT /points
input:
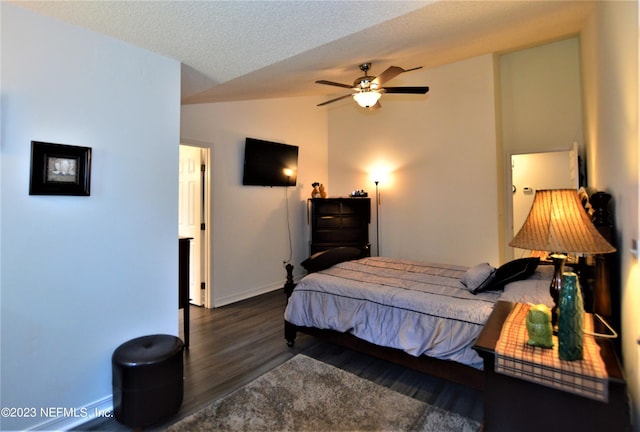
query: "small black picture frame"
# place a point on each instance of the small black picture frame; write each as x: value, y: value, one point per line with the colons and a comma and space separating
x: 59, y: 169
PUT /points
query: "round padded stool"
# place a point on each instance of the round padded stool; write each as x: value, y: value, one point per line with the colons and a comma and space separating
x: 148, y: 381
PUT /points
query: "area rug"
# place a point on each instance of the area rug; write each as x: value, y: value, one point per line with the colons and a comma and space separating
x: 304, y: 394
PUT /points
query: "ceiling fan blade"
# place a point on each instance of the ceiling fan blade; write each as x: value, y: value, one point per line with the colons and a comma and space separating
x: 331, y: 83
x: 406, y: 90
x: 390, y: 73
x: 334, y: 100
x: 375, y: 107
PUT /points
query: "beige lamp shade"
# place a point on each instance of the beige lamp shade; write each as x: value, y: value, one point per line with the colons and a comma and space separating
x: 557, y: 222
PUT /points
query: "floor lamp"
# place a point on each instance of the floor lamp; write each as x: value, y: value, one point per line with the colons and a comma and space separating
x: 377, y: 218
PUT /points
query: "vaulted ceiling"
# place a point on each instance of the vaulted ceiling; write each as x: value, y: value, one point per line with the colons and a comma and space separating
x: 239, y: 50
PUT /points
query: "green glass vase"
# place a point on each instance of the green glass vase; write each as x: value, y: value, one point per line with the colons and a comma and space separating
x: 570, y: 319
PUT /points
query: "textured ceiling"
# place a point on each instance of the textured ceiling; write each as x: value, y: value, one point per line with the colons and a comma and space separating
x: 237, y: 50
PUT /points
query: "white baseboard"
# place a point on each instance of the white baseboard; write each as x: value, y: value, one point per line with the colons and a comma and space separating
x: 75, y: 417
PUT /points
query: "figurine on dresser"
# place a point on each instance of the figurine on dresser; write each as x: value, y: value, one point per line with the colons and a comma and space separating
x: 315, y: 193
x: 318, y: 190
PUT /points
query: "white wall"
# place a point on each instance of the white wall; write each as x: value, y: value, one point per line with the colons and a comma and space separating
x: 439, y: 200
x: 249, y: 235
x: 80, y: 275
x: 541, y: 98
x: 540, y: 109
x: 610, y: 63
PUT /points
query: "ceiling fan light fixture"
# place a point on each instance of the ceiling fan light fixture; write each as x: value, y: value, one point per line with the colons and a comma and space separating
x: 367, y: 99
x: 366, y: 90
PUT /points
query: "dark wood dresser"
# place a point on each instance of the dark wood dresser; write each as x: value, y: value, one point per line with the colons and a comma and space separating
x: 339, y: 222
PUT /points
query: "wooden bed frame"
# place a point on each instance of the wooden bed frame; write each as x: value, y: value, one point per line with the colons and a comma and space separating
x: 597, y: 281
x: 446, y: 369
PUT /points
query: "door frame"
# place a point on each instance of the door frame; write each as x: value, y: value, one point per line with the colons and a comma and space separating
x: 205, y: 267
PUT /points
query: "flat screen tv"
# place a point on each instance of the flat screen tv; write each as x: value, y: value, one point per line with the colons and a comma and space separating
x: 269, y: 163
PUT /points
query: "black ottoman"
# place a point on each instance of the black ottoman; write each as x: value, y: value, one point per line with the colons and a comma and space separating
x: 147, y: 379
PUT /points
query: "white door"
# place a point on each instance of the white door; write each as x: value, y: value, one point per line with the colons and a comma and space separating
x: 536, y: 171
x: 190, y: 215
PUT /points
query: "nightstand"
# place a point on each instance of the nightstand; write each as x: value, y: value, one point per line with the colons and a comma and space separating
x: 512, y: 404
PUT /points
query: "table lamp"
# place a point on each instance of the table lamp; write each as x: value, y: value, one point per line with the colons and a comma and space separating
x: 558, y: 223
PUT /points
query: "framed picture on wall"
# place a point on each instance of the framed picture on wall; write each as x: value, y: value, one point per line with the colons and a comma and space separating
x: 59, y: 169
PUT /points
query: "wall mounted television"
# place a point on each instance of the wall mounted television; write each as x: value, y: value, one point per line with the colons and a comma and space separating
x: 269, y: 163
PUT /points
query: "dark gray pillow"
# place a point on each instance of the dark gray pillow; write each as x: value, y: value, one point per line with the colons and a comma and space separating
x: 515, y: 270
x: 478, y: 277
x: 325, y: 259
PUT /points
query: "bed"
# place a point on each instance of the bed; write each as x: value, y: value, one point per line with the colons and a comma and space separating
x: 425, y: 316
x: 417, y: 309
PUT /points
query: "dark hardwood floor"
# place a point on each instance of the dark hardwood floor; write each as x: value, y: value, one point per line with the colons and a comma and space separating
x: 232, y: 345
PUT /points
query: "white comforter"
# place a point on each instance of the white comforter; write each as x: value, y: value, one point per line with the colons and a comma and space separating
x: 421, y: 308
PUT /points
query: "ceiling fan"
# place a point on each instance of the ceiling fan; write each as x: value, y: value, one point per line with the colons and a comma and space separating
x: 367, y: 89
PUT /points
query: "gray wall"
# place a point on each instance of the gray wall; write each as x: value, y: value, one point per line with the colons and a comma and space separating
x: 80, y: 275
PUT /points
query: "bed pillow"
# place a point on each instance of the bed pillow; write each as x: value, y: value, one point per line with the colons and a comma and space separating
x: 478, y: 277
x: 325, y: 259
x: 515, y: 270
x: 534, y: 291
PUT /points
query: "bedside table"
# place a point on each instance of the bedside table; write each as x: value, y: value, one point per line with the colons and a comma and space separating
x: 512, y: 404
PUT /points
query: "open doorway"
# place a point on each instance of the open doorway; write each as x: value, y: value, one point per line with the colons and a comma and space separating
x: 193, y: 218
